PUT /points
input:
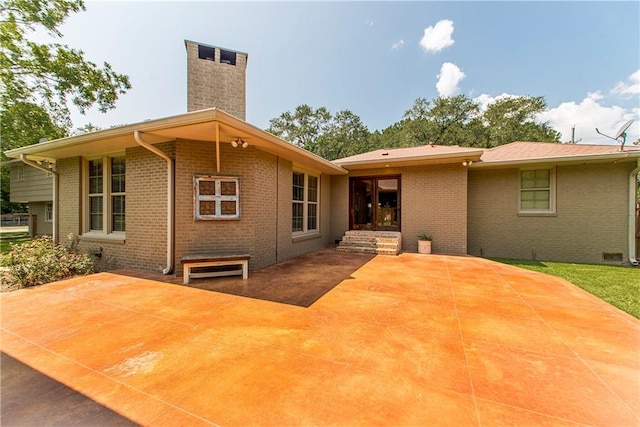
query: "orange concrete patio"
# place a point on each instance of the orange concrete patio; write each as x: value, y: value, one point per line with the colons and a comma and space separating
x: 407, y: 340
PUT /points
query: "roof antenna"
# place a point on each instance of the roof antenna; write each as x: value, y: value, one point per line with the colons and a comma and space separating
x: 573, y: 136
x: 622, y: 133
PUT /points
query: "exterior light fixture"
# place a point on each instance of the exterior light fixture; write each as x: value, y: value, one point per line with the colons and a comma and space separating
x: 467, y: 163
x: 239, y: 142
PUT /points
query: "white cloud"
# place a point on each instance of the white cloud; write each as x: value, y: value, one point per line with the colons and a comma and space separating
x: 437, y: 37
x: 588, y: 115
x: 630, y: 88
x: 449, y: 78
x: 398, y: 44
x: 484, y: 100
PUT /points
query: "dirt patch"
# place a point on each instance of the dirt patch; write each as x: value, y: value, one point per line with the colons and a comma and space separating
x: 7, y: 284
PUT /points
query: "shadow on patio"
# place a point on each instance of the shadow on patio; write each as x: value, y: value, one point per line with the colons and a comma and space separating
x: 297, y: 281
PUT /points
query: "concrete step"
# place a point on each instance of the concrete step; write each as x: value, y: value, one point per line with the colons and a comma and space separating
x: 371, y: 242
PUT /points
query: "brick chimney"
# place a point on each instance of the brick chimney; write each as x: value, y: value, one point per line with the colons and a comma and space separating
x: 216, y: 77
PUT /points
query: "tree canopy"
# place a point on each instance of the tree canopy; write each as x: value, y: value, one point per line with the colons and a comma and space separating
x: 319, y: 131
x: 40, y: 81
x: 43, y: 79
x: 456, y: 120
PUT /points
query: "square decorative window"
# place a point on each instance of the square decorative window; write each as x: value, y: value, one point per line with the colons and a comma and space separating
x: 304, y: 214
x: 216, y: 197
x: 537, y: 191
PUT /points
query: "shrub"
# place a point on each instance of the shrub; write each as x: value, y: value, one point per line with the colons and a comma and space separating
x: 42, y: 260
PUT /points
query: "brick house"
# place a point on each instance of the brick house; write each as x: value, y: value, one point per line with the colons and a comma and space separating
x: 209, y: 182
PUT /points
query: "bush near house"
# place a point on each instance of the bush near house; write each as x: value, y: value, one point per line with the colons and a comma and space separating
x: 619, y: 286
x: 42, y: 260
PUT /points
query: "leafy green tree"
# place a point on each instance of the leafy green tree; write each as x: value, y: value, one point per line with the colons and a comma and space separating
x: 393, y: 136
x: 302, y: 127
x: 50, y: 75
x: 317, y: 130
x: 38, y: 82
x: 22, y: 123
x: 457, y: 120
x: 345, y: 136
x: 514, y: 119
x: 449, y: 119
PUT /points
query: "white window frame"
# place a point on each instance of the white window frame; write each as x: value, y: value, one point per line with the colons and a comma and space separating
x: 48, y: 212
x: 552, y: 192
x: 107, y: 231
x: 306, y: 231
x: 218, y: 197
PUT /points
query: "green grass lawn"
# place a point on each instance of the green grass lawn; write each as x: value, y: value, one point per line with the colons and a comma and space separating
x: 5, y: 244
x: 619, y: 286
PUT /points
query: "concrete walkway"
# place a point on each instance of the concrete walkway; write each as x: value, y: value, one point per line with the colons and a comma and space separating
x: 408, y: 340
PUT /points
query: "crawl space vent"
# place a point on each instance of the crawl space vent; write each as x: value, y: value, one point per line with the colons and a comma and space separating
x: 612, y: 256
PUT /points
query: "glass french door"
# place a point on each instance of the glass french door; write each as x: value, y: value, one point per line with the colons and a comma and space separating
x: 374, y: 203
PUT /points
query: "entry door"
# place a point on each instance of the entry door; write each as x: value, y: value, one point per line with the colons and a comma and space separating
x: 375, y: 203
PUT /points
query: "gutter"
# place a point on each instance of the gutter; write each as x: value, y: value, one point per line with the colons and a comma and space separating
x: 619, y: 155
x: 632, y: 215
x: 137, y: 135
x: 33, y: 164
x: 399, y: 161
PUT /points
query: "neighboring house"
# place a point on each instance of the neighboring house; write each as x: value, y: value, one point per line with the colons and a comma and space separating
x: 35, y: 188
x: 147, y: 194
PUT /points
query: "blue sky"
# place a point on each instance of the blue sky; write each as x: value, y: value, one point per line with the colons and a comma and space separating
x: 376, y: 58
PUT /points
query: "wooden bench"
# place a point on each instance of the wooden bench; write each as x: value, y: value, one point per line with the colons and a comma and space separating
x: 195, y: 261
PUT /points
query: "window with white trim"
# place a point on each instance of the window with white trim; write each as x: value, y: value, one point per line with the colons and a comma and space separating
x: 105, y: 207
x: 306, y: 191
x: 537, y: 191
x: 216, y: 197
x: 48, y: 212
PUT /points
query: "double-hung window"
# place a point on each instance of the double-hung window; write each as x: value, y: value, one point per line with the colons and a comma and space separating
x: 305, y: 209
x: 48, y: 212
x: 537, y: 191
x: 106, y: 185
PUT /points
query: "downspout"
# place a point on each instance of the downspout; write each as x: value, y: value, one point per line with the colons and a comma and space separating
x: 33, y: 164
x: 137, y: 135
x: 633, y: 177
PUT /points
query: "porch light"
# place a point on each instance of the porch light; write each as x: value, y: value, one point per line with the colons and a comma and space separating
x: 467, y: 163
x: 239, y: 142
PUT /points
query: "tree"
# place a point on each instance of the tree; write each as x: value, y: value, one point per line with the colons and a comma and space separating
x: 450, y: 119
x: 514, y: 119
x: 38, y: 82
x: 317, y: 130
x: 457, y: 120
x: 302, y: 127
x: 346, y: 135
x: 51, y: 75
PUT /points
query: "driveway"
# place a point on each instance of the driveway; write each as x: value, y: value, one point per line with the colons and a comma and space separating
x: 407, y: 340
